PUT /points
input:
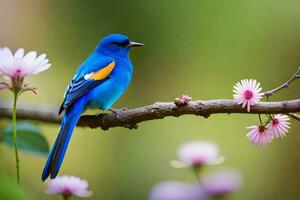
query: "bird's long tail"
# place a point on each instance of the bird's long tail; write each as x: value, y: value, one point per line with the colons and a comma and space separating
x: 60, y: 145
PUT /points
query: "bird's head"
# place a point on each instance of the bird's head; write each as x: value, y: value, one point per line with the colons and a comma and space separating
x: 116, y: 45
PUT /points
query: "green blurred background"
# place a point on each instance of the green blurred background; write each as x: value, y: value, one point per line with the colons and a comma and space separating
x: 195, y: 47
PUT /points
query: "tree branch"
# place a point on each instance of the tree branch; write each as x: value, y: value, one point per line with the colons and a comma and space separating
x: 181, y: 106
x: 130, y: 118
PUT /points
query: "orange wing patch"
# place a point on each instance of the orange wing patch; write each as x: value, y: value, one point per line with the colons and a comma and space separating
x: 102, y: 73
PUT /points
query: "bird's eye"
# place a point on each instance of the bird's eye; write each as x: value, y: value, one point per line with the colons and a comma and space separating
x: 122, y: 44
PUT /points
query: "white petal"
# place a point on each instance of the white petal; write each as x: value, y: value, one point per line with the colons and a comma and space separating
x: 19, y: 53
x: 30, y: 56
x: 7, y: 52
x: 40, y: 59
x: 44, y: 62
x: 41, y: 68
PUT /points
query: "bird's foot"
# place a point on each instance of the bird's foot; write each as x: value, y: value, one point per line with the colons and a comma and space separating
x: 113, y: 110
x: 117, y: 111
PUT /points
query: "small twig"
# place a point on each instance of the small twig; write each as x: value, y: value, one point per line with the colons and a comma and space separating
x: 284, y: 85
x: 294, y: 116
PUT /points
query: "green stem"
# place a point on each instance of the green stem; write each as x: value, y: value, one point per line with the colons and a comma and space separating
x: 196, y: 172
x: 260, y: 120
x: 14, y: 123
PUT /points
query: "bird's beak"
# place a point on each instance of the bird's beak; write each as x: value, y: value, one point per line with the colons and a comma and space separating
x: 135, y: 44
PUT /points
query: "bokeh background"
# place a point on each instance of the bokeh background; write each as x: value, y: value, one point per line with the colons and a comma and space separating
x: 196, y: 47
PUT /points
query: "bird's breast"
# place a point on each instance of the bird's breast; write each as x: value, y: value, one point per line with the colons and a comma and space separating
x: 110, y: 90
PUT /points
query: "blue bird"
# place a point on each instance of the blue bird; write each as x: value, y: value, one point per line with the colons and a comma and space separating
x: 98, y: 82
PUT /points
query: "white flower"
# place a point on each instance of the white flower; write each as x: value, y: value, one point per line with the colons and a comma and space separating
x: 247, y: 93
x: 69, y: 186
x: 198, y: 153
x: 279, y: 126
x: 19, y: 65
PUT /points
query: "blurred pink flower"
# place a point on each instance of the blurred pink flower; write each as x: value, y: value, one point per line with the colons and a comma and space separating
x: 279, y: 126
x: 69, y: 186
x: 259, y: 135
x: 198, y: 153
x: 19, y: 65
x: 221, y: 183
x: 174, y: 190
x: 247, y: 93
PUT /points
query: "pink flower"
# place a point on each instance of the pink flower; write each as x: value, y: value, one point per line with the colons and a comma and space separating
x: 279, y: 126
x: 247, y: 93
x: 19, y: 65
x: 183, y: 100
x: 69, y: 186
x: 259, y: 135
x: 173, y: 190
x: 221, y: 183
x: 198, y: 153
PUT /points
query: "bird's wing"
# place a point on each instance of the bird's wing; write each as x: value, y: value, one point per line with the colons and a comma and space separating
x: 85, y: 80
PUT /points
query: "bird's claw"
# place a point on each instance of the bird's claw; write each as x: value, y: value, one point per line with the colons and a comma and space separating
x: 117, y: 111
x: 113, y: 110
